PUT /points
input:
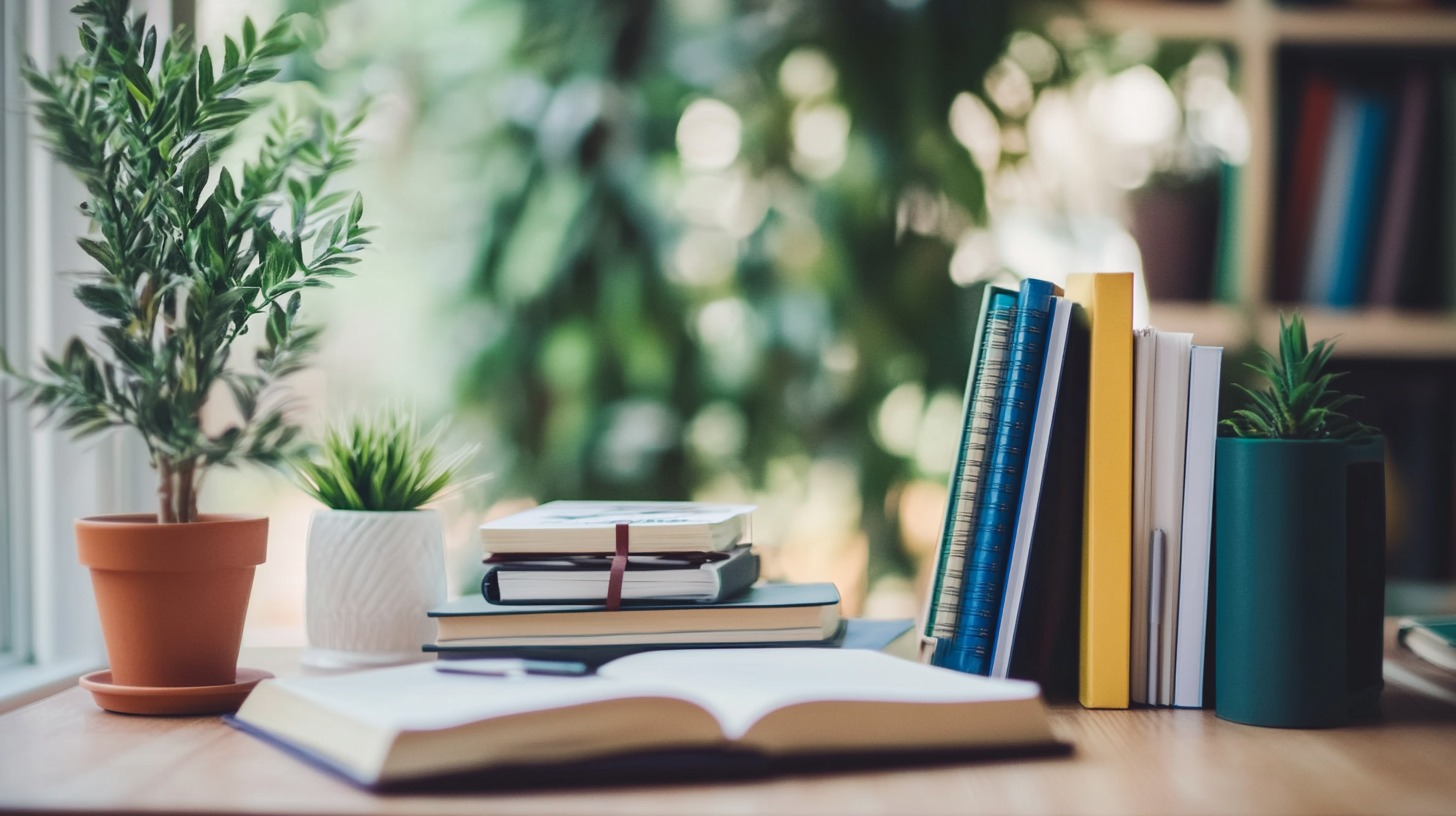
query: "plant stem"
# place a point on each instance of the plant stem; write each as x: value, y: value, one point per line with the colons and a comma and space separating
x: 165, y: 493
x: 186, y: 494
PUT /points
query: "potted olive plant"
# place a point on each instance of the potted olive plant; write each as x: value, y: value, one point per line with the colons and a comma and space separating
x: 1299, y: 548
x: 376, y: 560
x: 190, y: 256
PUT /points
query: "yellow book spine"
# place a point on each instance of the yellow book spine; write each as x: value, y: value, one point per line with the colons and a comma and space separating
x: 1107, y: 525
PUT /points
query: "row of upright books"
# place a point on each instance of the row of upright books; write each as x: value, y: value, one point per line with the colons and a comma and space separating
x: 1075, y: 546
x: 589, y: 582
x: 1370, y: 177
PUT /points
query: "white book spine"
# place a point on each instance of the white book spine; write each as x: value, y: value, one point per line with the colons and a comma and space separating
x: 1144, y: 346
x: 1157, y: 569
x: 1170, y: 435
x: 1205, y: 370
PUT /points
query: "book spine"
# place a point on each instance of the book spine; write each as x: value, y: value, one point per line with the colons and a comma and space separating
x: 972, y: 644
x: 1038, y: 445
x: 1352, y: 269
x: 1307, y: 159
x: 1205, y: 370
x: 1332, y: 209
x: 1144, y: 351
x: 736, y: 576
x: 1400, y: 193
x: 961, y: 509
x: 1107, y: 524
x: 965, y: 450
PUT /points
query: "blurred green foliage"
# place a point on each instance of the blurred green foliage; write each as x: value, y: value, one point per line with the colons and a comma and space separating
x: 667, y: 305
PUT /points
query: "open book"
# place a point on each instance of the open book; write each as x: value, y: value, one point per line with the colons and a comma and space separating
x: 389, y: 726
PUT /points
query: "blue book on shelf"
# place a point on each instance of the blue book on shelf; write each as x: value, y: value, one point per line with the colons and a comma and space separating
x: 1352, y: 261
x: 1332, y: 205
x: 971, y: 647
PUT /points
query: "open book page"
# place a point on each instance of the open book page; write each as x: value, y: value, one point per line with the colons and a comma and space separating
x: 413, y: 721
x: 417, y: 697
x: 743, y: 686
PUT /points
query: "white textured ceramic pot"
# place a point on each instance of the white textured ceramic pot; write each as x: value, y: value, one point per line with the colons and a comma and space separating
x: 372, y: 577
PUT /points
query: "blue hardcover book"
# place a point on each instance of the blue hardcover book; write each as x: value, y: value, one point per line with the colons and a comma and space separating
x: 970, y: 649
x: 1352, y: 262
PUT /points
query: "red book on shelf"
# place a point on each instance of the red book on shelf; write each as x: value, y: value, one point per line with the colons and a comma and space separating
x: 1304, y: 179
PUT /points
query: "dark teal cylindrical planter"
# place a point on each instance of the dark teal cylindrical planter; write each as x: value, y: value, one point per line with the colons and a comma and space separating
x: 1299, y: 580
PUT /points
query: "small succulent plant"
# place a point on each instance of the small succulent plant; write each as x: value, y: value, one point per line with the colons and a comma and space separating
x: 1298, y: 402
x: 381, y: 463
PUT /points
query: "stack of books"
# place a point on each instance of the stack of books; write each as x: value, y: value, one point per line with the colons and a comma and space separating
x: 593, y: 581
x: 1075, y: 545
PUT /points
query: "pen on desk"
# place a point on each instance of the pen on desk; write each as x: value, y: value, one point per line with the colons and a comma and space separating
x: 513, y: 667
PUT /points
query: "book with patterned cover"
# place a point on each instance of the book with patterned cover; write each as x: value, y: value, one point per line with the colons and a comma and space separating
x: 971, y: 646
x: 983, y: 389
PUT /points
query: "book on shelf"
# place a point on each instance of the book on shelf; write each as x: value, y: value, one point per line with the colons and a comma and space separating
x: 765, y: 613
x: 1306, y: 160
x: 1432, y: 637
x: 1037, y: 636
x: 410, y: 724
x: 1160, y: 433
x: 576, y: 527
x: 1402, y: 189
x: 1351, y: 279
x: 699, y: 577
x: 1332, y: 205
x: 1000, y: 495
x: 1106, y: 594
x: 1205, y: 371
x: 1343, y: 221
x: 1439, y: 290
x: 983, y: 390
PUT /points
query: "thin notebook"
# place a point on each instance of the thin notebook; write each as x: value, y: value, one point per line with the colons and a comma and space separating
x: 697, y: 577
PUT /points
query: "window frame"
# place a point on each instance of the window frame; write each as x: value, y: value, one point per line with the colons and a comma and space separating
x: 52, y: 634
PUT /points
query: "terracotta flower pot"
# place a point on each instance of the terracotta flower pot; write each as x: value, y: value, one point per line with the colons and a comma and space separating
x: 172, y: 597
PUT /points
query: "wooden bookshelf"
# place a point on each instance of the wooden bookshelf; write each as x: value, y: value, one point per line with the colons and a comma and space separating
x: 1255, y: 30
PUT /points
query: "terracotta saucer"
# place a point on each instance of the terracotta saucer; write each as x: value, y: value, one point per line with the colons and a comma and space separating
x: 172, y: 699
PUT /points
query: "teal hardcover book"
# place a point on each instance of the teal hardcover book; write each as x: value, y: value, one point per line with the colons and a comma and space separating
x: 1433, y: 638
x: 983, y: 387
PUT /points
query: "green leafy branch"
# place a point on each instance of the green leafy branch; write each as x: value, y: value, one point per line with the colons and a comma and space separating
x: 189, y: 254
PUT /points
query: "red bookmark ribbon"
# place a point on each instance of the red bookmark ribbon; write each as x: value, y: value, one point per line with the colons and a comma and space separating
x: 619, y: 569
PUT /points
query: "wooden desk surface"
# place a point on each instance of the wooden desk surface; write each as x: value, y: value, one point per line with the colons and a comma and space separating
x: 64, y: 754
